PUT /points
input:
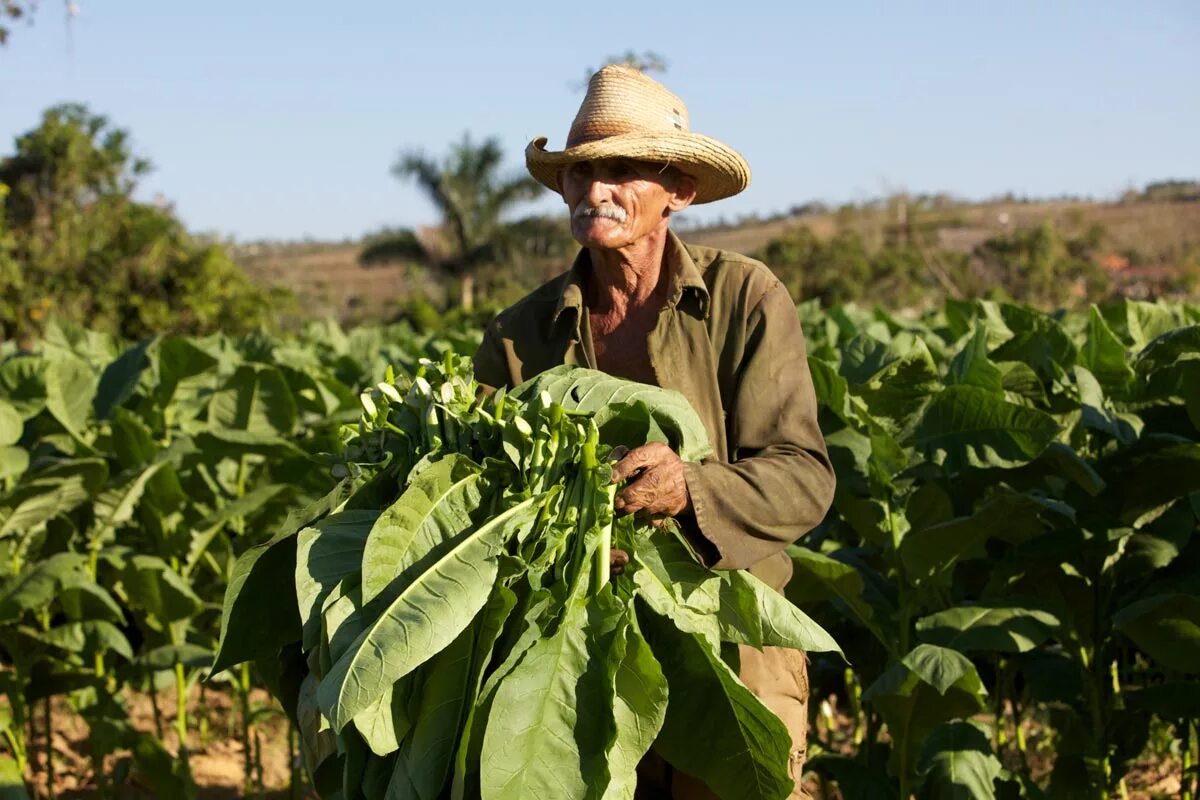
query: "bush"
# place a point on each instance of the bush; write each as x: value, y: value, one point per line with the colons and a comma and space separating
x: 74, y: 242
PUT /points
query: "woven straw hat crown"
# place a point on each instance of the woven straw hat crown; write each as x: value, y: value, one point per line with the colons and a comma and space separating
x: 627, y: 114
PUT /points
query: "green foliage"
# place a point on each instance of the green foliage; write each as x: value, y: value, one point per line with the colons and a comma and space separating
x: 1013, y: 540
x: 907, y: 268
x: 478, y: 588
x: 1028, y: 518
x: 133, y: 478
x: 75, y: 244
x: 474, y: 200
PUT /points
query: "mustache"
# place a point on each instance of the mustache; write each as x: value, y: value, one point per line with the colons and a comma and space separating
x: 615, y: 213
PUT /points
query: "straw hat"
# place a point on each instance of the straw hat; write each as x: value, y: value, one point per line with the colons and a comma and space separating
x: 627, y: 114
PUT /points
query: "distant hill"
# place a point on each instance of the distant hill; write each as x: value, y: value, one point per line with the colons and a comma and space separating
x: 1148, y: 233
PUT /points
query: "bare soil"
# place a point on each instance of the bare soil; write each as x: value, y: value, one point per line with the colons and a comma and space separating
x: 215, y: 752
x: 217, y: 756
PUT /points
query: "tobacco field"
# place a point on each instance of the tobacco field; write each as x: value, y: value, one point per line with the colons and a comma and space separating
x: 1011, y: 566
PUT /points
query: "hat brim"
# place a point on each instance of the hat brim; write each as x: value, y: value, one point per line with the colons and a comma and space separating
x: 719, y: 170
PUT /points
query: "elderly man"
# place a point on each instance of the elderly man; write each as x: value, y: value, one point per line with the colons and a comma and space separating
x: 716, y: 326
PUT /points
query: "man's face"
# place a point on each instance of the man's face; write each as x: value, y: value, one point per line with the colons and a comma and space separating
x: 615, y: 202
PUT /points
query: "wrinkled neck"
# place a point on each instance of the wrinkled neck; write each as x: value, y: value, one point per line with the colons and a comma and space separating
x: 630, y: 277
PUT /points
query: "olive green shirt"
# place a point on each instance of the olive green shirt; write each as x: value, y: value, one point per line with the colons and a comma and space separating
x: 729, y: 340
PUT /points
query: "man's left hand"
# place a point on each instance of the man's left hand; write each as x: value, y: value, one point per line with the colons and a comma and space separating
x: 656, y: 485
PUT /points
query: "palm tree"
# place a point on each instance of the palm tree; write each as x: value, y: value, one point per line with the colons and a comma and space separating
x: 473, y: 200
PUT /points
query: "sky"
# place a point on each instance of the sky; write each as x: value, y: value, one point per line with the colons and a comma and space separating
x: 273, y: 120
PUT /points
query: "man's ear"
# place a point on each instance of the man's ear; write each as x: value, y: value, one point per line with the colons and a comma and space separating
x: 683, y: 194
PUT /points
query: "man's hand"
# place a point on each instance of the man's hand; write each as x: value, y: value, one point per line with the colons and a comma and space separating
x: 617, y: 561
x: 656, y: 487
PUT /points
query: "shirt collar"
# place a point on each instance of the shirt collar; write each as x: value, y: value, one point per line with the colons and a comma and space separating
x: 685, y: 278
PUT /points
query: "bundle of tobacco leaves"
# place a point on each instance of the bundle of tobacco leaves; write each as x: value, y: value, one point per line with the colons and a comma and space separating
x: 462, y: 633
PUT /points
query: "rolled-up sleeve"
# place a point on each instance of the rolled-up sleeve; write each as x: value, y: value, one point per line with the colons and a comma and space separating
x: 779, y: 482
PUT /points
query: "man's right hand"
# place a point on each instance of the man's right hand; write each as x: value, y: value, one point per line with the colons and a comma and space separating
x: 617, y: 560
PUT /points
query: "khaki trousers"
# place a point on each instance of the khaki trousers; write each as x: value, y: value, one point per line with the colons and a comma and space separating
x: 779, y: 677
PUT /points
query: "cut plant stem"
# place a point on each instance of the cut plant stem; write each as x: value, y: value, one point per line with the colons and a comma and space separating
x: 604, y: 550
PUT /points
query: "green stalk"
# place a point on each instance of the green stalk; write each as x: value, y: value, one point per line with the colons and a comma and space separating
x: 604, y: 551
x: 1001, y: 728
x: 293, y: 773
x: 1185, y: 780
x: 901, y: 586
x: 854, y: 697
x: 202, y: 725
x: 181, y: 709
x: 244, y: 693
x: 158, y: 723
x: 50, y: 791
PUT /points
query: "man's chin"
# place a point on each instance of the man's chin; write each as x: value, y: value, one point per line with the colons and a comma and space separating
x: 604, y: 234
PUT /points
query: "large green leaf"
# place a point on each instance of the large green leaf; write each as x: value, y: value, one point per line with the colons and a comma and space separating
x: 728, y: 739
x: 990, y: 628
x: 115, y: 505
x: 37, y: 585
x: 671, y: 583
x: 490, y: 623
x: 968, y: 426
x: 155, y: 588
x: 1153, y: 475
x: 1104, y: 355
x: 436, y: 506
x: 12, y: 782
x: 50, y: 493
x: 424, y: 611
x: 70, y: 387
x: 855, y: 779
x: 1172, y: 700
x: 325, y: 554
x: 427, y: 755
x: 1038, y: 340
x: 817, y: 577
x: 1166, y: 627
x: 548, y: 723
x: 11, y: 424
x: 972, y: 367
x: 384, y: 723
x: 257, y: 617
x: 639, y: 709
x: 586, y: 390
x: 92, y: 636
x: 255, y: 399
x: 23, y: 384
x: 957, y: 763
x: 239, y: 508
x: 120, y: 378
x: 930, y: 553
x: 929, y: 686
x: 770, y: 615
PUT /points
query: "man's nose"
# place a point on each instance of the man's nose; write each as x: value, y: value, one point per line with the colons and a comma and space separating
x: 599, y: 191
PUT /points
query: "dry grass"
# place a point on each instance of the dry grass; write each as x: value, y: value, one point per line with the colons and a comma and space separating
x: 328, y: 280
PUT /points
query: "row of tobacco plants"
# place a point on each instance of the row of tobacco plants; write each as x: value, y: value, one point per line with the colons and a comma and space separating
x: 1012, y: 546
x: 131, y: 478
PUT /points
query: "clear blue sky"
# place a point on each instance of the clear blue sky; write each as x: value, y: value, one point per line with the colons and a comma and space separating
x: 273, y: 119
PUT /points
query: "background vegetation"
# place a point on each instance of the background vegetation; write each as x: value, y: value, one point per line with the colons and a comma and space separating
x: 165, y: 399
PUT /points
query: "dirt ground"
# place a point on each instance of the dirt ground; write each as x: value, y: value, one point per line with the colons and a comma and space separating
x: 217, y: 756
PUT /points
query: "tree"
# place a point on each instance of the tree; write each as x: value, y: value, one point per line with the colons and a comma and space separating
x: 74, y: 242
x: 17, y: 9
x: 473, y: 200
x: 647, y: 61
